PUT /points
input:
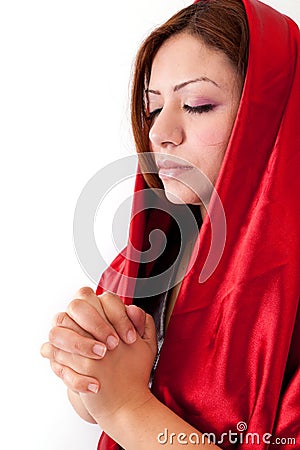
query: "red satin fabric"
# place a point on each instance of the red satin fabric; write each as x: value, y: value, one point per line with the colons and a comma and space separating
x: 232, y: 348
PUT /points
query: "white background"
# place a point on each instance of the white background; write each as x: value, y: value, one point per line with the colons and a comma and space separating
x: 64, y: 89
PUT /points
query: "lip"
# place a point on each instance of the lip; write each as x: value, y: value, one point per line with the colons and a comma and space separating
x: 169, y: 165
x: 171, y: 169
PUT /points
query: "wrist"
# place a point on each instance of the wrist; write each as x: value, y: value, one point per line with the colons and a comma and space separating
x: 135, y: 407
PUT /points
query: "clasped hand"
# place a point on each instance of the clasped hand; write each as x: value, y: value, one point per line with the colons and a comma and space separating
x: 104, y: 352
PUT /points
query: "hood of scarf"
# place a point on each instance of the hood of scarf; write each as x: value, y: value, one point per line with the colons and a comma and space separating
x: 231, y: 351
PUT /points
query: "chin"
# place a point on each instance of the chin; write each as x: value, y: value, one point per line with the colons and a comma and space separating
x: 180, y: 194
x: 174, y: 199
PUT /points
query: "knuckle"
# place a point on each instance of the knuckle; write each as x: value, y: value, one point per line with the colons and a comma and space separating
x: 123, y: 318
x: 79, y: 346
x: 75, y: 308
x: 102, y: 330
x: 56, y: 356
x: 75, y: 304
x: 71, y: 378
x: 84, y: 292
x: 53, y: 334
x: 58, y: 369
x: 122, y: 324
x: 114, y: 307
x: 108, y: 296
x: 79, y: 383
x: 63, y: 373
x: 61, y: 319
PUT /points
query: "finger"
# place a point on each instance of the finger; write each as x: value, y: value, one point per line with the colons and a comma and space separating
x: 78, y: 364
x: 72, y: 342
x: 88, y: 295
x: 62, y: 319
x: 75, y: 381
x: 112, y: 307
x: 84, y: 292
x: 116, y: 313
x: 137, y: 317
x: 95, y: 323
x: 150, y: 333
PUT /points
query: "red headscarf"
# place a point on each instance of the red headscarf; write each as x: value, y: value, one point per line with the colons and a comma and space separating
x: 232, y: 349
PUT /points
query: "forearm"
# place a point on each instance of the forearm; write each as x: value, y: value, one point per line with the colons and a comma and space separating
x: 153, y: 425
x: 79, y: 407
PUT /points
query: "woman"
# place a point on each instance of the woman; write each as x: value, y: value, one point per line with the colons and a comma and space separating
x: 228, y: 360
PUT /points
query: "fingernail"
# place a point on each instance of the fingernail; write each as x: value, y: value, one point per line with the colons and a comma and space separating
x: 112, y: 342
x: 131, y: 336
x: 99, y: 349
x: 93, y: 388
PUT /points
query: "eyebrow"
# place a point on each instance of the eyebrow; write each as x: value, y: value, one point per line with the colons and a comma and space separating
x: 185, y: 83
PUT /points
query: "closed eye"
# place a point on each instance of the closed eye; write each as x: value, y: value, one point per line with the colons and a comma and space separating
x: 151, y: 115
x: 198, y: 109
x: 190, y: 109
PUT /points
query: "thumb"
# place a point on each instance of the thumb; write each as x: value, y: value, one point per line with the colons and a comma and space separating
x: 150, y: 333
x: 144, y: 325
x: 137, y: 317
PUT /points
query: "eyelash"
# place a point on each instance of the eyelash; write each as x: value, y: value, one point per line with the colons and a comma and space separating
x: 198, y: 109
x: 190, y: 109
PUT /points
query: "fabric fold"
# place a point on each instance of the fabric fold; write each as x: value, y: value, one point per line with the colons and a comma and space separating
x: 233, y: 341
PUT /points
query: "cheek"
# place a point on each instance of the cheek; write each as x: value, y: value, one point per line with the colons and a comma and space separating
x: 215, y: 133
x: 209, y: 147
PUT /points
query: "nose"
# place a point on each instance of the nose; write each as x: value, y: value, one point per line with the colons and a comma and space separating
x: 166, y: 130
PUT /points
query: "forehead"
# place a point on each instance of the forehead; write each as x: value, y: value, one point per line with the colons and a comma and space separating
x: 184, y: 56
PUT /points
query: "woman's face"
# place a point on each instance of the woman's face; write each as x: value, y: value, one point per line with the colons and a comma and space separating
x: 193, y: 97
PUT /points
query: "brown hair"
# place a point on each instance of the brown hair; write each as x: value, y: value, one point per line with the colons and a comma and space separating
x: 220, y: 24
